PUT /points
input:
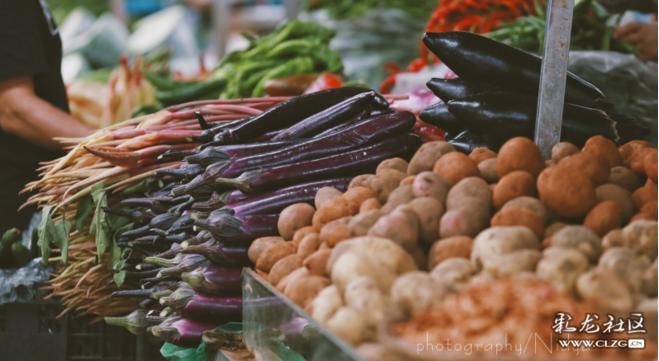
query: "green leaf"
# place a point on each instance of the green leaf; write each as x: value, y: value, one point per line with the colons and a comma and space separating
x: 119, y: 278
x: 43, y: 232
x: 83, y: 211
x: 100, y: 227
x: 61, y: 232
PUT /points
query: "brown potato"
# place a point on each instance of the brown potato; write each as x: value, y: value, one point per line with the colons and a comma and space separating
x: 454, y: 167
x: 424, y: 159
x: 363, y: 180
x: 480, y: 154
x: 274, y: 253
x: 369, y: 205
x: 519, y: 217
x: 316, y: 263
x: 650, y: 164
x: 409, y: 180
x: 624, y: 177
x: 470, y: 187
x: 443, y: 249
x: 308, y: 245
x: 604, y: 148
x: 356, y: 196
x: 519, y: 153
x: 530, y: 203
x: 630, y: 149
x: 553, y: 228
x: 259, y: 245
x: 429, y: 184
x: 304, y: 289
x: 645, y: 194
x: 335, y: 231
x: 398, y: 164
x: 400, y: 195
x: 400, y: 226
x: 604, y: 217
x: 621, y: 196
x: 291, y: 277
x: 650, y: 209
x: 362, y: 222
x: 338, y: 208
x: 637, y: 160
x: 462, y: 222
x: 386, y: 182
x: 593, y: 166
x: 326, y: 195
x: 294, y: 217
x: 566, y: 192
x: 512, y: 185
x: 562, y: 150
x: 428, y: 210
x: 488, y: 170
x: 284, y: 267
x: 301, y: 233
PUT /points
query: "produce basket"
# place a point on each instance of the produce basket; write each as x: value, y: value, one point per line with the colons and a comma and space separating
x: 276, y: 328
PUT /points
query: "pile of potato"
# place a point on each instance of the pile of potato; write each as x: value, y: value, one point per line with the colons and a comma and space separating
x: 399, y: 241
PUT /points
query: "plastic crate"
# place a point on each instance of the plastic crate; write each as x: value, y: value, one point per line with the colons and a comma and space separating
x: 30, y: 332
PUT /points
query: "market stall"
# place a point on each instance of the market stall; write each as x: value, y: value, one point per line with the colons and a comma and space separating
x: 485, y: 203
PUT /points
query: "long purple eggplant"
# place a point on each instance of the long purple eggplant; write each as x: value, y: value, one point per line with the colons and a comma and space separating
x: 364, y: 132
x: 360, y: 160
x: 439, y: 115
x: 455, y: 89
x: 355, y: 106
x: 211, y: 155
x: 286, y: 114
x: 211, y: 309
x: 215, y: 280
x: 273, y: 202
x: 181, y: 331
x: 220, y: 254
x: 179, y: 298
x: 239, y: 229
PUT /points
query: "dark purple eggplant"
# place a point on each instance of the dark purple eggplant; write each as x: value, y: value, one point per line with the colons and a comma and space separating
x: 350, y: 108
x: 499, y: 116
x: 220, y: 254
x: 286, y: 114
x: 479, y: 59
x: 466, y: 141
x: 212, y: 155
x: 217, y: 310
x: 181, y: 331
x: 439, y: 115
x: 239, y: 229
x: 360, y: 160
x: 212, y: 171
x: 138, y: 216
x: 185, y: 171
x: 368, y: 131
x: 455, y: 89
x: 273, y: 202
x: 214, y: 280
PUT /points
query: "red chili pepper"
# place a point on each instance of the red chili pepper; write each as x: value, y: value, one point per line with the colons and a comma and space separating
x: 427, y: 132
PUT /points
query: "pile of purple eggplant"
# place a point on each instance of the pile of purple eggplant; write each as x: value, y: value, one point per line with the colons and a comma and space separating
x: 189, y: 236
x: 495, y: 96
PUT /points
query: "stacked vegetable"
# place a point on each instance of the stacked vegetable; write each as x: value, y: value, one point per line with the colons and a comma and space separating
x: 188, y: 237
x: 467, y: 249
x: 294, y: 48
x: 99, y: 171
x: 490, y: 102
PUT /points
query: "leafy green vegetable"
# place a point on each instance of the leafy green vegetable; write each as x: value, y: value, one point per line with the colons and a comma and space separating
x: 44, y: 232
x: 345, y: 9
x: 100, y: 227
x: 84, y: 210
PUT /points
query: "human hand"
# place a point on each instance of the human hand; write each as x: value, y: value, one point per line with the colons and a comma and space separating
x: 641, y: 35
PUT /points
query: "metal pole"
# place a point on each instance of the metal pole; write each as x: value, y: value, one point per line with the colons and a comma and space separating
x: 551, y: 96
x: 221, y: 25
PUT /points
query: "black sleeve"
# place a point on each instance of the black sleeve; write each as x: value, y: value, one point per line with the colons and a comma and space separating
x: 22, y: 50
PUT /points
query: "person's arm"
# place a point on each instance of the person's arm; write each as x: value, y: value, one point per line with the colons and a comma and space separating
x: 24, y: 114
